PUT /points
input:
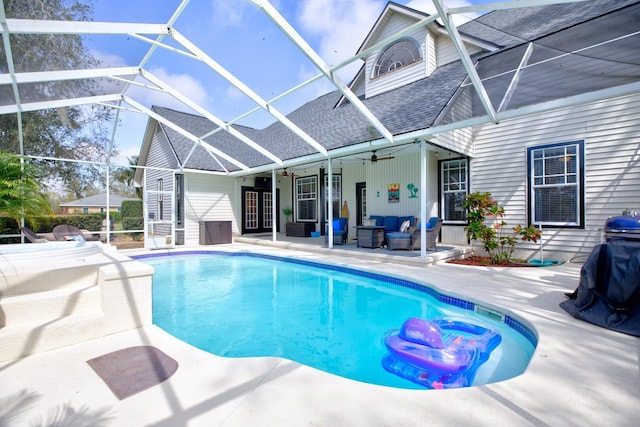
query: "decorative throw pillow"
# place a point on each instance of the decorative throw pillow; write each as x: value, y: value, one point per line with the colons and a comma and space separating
x: 369, y: 222
x: 405, y: 226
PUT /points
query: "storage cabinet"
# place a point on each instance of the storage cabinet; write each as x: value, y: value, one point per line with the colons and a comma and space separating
x: 300, y: 229
x: 215, y: 232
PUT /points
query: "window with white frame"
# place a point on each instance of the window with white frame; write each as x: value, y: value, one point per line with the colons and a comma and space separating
x: 336, y: 194
x: 397, y: 55
x: 160, y: 188
x: 307, y: 199
x: 556, y: 184
x: 454, y: 179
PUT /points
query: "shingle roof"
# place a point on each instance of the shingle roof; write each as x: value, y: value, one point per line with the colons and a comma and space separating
x: 97, y: 200
x: 412, y: 107
x: 415, y: 106
x: 509, y: 27
x: 200, y: 126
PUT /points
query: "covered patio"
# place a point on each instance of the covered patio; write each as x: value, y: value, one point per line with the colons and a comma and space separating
x: 351, y: 249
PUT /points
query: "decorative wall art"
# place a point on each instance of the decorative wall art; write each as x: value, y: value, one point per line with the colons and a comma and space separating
x: 413, y: 191
x: 394, y: 193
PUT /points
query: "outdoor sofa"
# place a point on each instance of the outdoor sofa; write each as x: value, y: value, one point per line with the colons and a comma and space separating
x: 410, y: 239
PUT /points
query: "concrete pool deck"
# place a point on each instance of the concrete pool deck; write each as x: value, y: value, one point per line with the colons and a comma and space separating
x: 580, y: 374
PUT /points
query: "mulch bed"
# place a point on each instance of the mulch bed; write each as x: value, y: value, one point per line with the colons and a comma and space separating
x: 485, y: 261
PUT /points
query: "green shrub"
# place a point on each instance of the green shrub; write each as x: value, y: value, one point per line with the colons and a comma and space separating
x: 131, y: 209
x: 133, y: 223
x: 499, y: 244
x: 113, y: 216
x: 9, y: 226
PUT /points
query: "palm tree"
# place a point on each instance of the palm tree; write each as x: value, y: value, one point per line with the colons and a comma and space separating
x: 20, y: 193
x: 126, y: 176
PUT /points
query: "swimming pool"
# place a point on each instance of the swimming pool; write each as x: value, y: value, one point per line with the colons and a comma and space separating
x: 327, y: 317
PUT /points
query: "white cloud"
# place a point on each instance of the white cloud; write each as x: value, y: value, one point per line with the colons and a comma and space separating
x: 229, y: 12
x: 338, y: 27
x: 428, y: 7
x: 109, y: 59
x: 131, y: 128
x: 185, y: 84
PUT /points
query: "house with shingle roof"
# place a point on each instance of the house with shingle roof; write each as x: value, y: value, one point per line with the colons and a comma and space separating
x: 552, y: 132
x: 93, y: 204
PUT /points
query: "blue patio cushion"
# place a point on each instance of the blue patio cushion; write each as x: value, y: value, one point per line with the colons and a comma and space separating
x: 391, y: 223
x: 379, y: 219
x: 432, y: 222
x: 398, y: 235
x: 340, y: 226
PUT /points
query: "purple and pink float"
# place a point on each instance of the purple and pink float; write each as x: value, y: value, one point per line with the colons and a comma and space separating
x: 440, y: 353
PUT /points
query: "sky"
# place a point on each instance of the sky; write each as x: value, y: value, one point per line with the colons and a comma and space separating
x: 243, y: 40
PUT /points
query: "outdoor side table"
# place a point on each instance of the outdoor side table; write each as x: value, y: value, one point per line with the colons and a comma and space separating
x: 370, y: 236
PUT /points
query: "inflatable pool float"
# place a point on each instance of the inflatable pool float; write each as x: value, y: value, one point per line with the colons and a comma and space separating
x: 440, y: 353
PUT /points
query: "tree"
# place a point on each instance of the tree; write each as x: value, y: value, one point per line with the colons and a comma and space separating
x: 20, y: 194
x: 123, y: 178
x: 75, y: 133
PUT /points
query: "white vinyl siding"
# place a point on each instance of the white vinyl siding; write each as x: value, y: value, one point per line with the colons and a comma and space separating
x: 446, y: 51
x: 207, y: 198
x: 610, y: 130
x: 459, y: 141
x: 160, y: 155
x: 403, y: 170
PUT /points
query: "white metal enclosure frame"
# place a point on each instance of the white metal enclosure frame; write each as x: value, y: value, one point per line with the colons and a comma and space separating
x: 165, y: 37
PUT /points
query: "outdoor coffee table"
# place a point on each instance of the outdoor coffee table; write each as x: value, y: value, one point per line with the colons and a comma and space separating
x: 370, y: 236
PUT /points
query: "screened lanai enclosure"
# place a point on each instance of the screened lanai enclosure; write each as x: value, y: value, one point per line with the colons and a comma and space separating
x: 78, y: 84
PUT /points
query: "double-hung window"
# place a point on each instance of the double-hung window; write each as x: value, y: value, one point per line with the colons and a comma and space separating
x: 307, y: 199
x: 336, y: 194
x: 454, y: 179
x: 160, y: 205
x: 556, y: 184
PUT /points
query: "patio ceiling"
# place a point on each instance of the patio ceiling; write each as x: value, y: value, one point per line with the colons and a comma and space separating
x: 597, y: 60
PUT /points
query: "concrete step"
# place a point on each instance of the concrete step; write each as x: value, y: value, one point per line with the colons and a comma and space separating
x: 51, y: 305
x: 20, y: 340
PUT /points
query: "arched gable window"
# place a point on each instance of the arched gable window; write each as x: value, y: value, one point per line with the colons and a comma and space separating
x: 403, y: 52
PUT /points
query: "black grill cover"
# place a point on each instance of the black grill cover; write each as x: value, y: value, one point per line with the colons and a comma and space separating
x: 608, y: 294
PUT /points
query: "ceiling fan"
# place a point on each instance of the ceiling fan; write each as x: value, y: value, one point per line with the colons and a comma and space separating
x: 284, y: 173
x: 374, y: 158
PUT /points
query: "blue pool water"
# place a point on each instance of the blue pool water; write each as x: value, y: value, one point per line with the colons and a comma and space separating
x: 326, y: 317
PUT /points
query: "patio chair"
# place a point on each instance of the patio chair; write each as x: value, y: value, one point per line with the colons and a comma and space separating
x: 400, y: 239
x: 68, y: 232
x: 340, y: 231
x: 433, y: 230
x: 32, y: 236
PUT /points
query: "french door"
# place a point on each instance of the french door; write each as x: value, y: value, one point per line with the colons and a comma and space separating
x: 257, y: 210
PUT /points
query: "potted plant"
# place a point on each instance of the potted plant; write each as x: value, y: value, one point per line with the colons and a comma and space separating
x: 287, y: 213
